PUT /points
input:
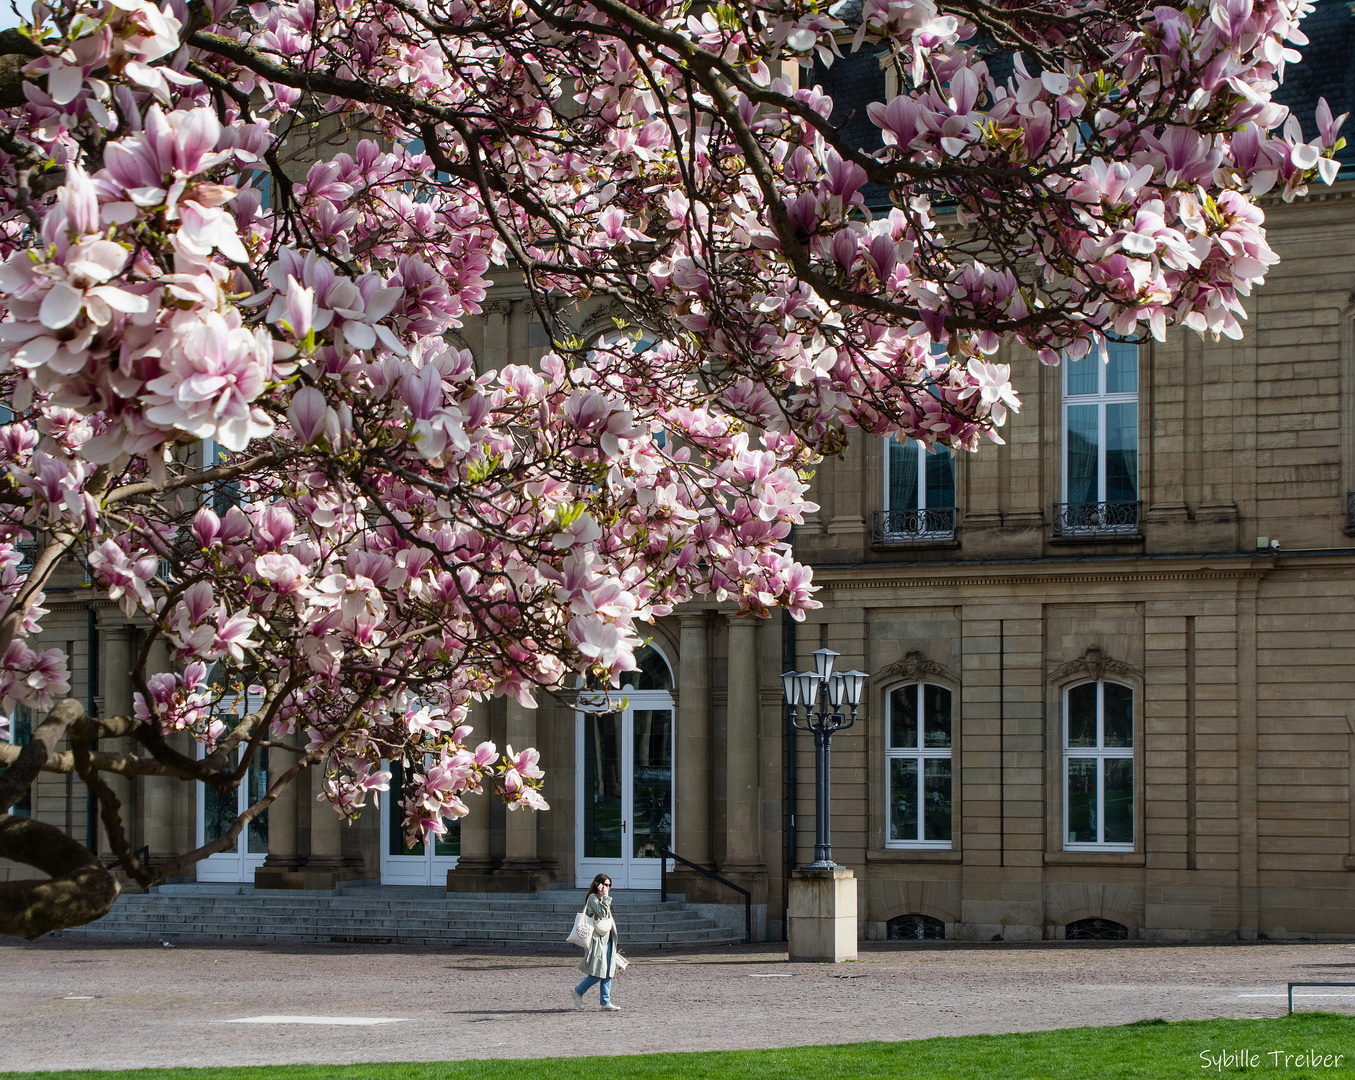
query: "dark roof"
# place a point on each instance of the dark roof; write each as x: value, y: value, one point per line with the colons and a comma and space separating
x: 1327, y: 70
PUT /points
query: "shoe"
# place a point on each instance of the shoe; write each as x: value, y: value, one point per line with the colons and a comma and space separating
x: 609, y: 1007
x: 577, y: 999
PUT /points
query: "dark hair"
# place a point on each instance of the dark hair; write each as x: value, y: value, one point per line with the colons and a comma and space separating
x: 601, y: 879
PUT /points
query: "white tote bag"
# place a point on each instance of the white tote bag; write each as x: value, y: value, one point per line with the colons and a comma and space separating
x: 582, y: 933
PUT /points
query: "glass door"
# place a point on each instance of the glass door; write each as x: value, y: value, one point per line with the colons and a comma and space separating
x: 625, y: 791
x: 217, y: 813
x: 420, y: 864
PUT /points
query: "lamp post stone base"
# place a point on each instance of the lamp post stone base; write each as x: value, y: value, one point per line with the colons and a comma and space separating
x: 822, y: 916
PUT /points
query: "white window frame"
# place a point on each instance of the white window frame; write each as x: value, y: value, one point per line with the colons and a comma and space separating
x: 922, y: 453
x: 920, y: 754
x: 1100, y: 399
x: 1102, y: 753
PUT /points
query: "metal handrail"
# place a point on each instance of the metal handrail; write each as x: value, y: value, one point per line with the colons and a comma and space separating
x: 1294, y: 984
x: 141, y: 855
x: 665, y: 855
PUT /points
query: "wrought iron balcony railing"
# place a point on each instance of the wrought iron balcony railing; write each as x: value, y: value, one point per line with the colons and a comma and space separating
x: 907, y: 526
x: 1350, y: 512
x: 1096, y: 518
x: 28, y: 554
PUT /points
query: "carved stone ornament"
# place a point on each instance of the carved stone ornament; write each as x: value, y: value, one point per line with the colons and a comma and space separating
x: 502, y: 308
x: 1093, y: 664
x: 915, y: 667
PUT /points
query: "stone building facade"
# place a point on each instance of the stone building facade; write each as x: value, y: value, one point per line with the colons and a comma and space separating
x: 1111, y: 688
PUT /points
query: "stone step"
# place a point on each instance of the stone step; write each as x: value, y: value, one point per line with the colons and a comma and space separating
x: 384, y: 915
x: 394, y: 926
x: 134, y: 929
x: 179, y: 904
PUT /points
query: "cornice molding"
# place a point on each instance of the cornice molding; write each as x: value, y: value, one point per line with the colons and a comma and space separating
x: 915, y: 667
x: 1094, y: 664
x: 917, y: 578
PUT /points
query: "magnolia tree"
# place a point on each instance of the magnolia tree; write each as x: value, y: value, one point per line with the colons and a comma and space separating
x: 382, y: 531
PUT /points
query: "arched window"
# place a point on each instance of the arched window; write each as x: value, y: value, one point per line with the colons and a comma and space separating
x: 651, y: 671
x: 217, y: 812
x: 624, y: 781
x: 915, y: 928
x: 918, y: 779
x: 1096, y: 930
x: 1098, y: 766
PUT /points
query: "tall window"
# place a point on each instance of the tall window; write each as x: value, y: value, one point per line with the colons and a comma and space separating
x: 1098, y: 766
x: 918, y: 766
x: 20, y: 731
x: 1101, y: 442
x: 919, y: 491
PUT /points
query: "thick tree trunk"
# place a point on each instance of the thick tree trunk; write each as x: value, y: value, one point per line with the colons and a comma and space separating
x: 80, y: 889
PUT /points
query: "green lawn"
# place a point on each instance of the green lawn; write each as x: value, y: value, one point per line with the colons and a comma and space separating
x: 1150, y: 1050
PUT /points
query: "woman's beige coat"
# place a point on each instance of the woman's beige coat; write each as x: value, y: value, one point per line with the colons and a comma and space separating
x: 595, y: 956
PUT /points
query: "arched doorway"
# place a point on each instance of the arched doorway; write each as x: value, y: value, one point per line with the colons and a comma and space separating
x: 418, y: 864
x: 217, y: 812
x: 624, y: 779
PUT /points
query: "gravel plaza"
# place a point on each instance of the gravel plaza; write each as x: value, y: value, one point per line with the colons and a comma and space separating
x: 68, y: 1005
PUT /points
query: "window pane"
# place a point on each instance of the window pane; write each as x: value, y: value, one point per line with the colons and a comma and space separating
x: 936, y: 791
x: 903, y: 718
x: 449, y: 843
x: 936, y: 716
x: 1082, y: 715
x: 257, y: 830
x: 1119, y: 719
x: 218, y: 813
x: 1084, y: 376
x: 20, y: 731
x: 902, y: 493
x: 1119, y: 800
x: 397, y: 841
x: 903, y: 799
x: 652, y: 782
x: 602, y: 786
x: 1122, y: 452
x: 1082, y: 454
x: 1082, y: 801
x: 940, y: 478
x: 1122, y: 373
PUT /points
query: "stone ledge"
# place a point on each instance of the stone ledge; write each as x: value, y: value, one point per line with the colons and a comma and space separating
x: 1094, y: 858
x: 914, y: 855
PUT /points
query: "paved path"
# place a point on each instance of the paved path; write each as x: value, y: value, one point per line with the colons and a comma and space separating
x: 66, y: 1005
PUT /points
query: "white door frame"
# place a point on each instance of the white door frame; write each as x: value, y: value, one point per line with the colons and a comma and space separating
x: 426, y: 869
x: 628, y: 872
x: 236, y: 865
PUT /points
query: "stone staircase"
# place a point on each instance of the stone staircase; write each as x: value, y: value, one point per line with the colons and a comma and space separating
x: 391, y: 915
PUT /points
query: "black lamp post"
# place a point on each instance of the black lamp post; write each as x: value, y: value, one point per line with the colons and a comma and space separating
x: 825, y: 687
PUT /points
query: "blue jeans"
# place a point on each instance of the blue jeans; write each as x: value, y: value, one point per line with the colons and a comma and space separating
x: 592, y: 980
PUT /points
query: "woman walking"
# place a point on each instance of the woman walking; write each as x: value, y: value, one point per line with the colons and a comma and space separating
x: 599, y: 962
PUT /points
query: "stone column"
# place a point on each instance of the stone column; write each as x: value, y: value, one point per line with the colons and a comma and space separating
x: 118, y: 641
x: 743, y: 839
x: 326, y: 866
x: 692, y: 835
x: 522, y: 870
x: 282, y: 867
x: 158, y: 791
x: 475, y: 867
x: 496, y: 316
